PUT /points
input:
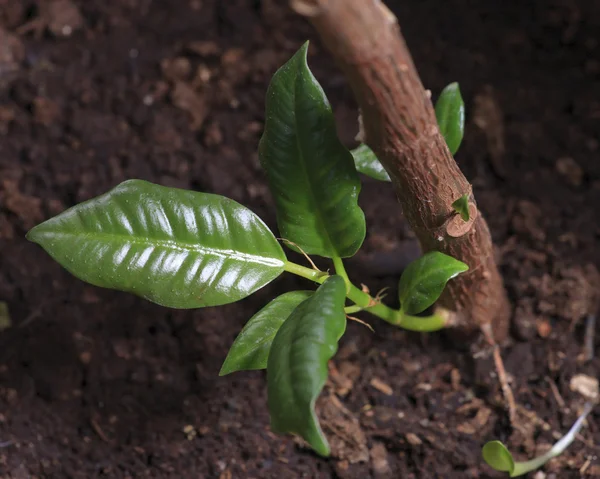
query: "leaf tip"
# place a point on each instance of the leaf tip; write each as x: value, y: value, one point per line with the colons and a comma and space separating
x: 454, y: 86
x: 317, y: 440
x: 302, y: 53
x: 459, y: 268
x: 30, y: 235
x: 323, y: 449
x: 35, y: 234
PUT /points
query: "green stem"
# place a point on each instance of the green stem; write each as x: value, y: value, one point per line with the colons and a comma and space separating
x: 353, y: 309
x: 299, y: 270
x: 364, y: 301
x: 423, y: 324
x: 341, y: 271
x: 360, y: 298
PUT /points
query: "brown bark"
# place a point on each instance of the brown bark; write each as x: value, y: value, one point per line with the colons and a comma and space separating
x: 401, y: 128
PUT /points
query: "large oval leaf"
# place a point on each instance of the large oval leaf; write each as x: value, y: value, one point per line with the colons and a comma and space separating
x: 424, y: 279
x: 297, y: 365
x: 311, y: 174
x: 250, y: 350
x: 174, y: 247
x: 367, y: 163
x: 450, y: 114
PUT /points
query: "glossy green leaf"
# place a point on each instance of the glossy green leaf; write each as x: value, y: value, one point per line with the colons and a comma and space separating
x: 450, y: 114
x: 424, y: 279
x: 311, y: 174
x: 174, y: 247
x: 367, y: 163
x: 250, y: 349
x: 297, y: 365
x: 498, y: 457
x: 461, y: 206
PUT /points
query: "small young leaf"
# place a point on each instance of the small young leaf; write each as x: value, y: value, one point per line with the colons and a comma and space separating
x: 424, y: 280
x: 297, y: 365
x: 311, y: 174
x: 367, y: 163
x: 498, y: 457
x: 250, y: 349
x: 177, y: 248
x: 461, y: 206
x: 450, y: 114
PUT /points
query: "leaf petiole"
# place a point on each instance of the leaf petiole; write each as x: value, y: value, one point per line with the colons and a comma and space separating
x: 353, y: 309
x: 299, y: 270
x: 340, y: 270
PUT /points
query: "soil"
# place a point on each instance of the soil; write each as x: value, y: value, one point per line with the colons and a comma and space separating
x: 95, y: 383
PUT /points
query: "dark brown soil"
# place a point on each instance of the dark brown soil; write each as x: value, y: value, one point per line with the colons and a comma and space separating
x: 95, y: 383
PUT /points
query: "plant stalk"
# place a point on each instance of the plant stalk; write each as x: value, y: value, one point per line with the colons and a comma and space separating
x: 341, y: 271
x: 366, y: 302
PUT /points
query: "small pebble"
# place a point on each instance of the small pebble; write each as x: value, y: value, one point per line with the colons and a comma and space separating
x: 585, y: 385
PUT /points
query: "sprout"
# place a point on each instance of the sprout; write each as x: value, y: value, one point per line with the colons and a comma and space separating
x: 499, y: 458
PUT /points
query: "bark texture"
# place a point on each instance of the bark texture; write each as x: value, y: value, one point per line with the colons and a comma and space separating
x: 400, y: 126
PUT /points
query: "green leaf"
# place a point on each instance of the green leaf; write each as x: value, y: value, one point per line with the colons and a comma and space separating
x: 311, y: 174
x: 297, y: 365
x: 174, y: 247
x: 461, y: 206
x: 367, y: 163
x: 250, y: 349
x: 450, y: 114
x: 424, y: 280
x: 498, y: 457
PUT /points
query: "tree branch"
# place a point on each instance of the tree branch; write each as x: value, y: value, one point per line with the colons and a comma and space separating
x: 401, y: 128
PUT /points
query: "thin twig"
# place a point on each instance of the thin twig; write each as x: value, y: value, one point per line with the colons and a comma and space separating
x: 506, y: 389
x: 96, y: 427
x: 556, y: 393
x: 586, y: 464
x: 588, y: 343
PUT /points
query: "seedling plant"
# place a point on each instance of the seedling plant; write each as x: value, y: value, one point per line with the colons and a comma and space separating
x: 185, y: 249
x: 498, y: 457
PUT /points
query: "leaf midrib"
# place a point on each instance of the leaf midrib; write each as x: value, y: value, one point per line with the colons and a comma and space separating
x: 305, y: 170
x: 177, y: 246
x: 294, y: 385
